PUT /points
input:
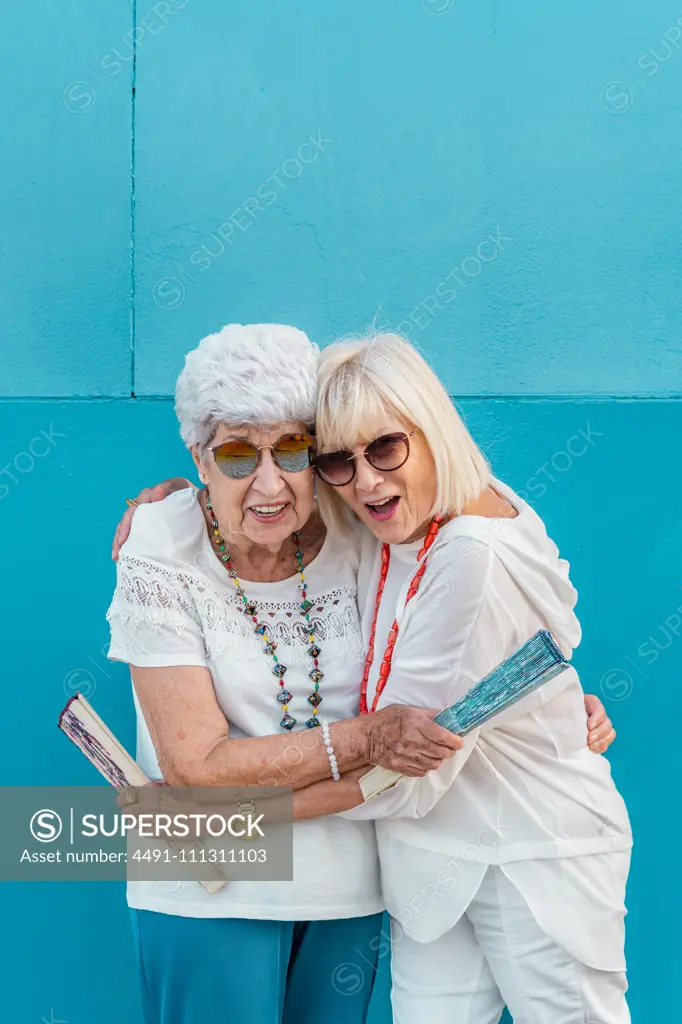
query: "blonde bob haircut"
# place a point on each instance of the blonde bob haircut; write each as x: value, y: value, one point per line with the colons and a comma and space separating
x: 363, y: 383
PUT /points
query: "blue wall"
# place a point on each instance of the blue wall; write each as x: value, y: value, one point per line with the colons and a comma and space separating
x: 503, y: 184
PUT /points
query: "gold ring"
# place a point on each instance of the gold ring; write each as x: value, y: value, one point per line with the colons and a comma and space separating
x: 131, y: 501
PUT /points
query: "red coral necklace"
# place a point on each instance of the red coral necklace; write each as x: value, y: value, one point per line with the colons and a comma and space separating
x: 385, y: 667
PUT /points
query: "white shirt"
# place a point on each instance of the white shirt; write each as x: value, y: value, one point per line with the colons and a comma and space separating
x: 176, y: 605
x: 525, y: 793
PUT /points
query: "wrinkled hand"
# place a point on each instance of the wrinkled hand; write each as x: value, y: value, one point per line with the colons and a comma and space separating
x: 600, y: 731
x: 146, y: 495
x: 407, y: 740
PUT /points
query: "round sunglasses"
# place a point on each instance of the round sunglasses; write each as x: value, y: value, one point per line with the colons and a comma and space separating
x: 239, y: 459
x: 386, y: 453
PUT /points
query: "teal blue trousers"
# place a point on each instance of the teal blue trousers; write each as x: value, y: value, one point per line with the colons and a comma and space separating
x: 195, y: 970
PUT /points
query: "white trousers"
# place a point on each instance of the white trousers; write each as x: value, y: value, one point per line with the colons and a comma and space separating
x: 497, y: 955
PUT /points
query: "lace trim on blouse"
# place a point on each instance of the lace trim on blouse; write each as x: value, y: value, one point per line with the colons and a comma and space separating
x: 160, y: 598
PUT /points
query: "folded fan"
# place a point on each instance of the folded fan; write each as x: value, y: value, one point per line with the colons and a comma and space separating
x: 535, y: 663
x: 84, y: 727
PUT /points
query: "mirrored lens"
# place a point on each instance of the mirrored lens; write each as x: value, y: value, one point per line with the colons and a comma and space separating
x: 293, y: 452
x: 388, y: 452
x: 336, y: 468
x: 236, y: 459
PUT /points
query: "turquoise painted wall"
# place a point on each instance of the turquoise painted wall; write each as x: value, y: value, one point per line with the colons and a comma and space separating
x: 501, y: 184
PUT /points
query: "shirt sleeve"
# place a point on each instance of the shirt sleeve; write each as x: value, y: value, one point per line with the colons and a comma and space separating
x: 413, y: 798
x: 153, y: 618
x: 451, y: 635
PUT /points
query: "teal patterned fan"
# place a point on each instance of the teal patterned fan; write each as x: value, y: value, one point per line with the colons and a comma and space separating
x: 538, y: 661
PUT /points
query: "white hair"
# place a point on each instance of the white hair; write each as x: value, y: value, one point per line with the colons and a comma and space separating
x: 247, y: 375
x: 362, y: 383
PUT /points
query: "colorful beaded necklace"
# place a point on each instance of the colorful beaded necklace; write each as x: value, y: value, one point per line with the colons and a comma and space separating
x: 385, y: 667
x: 284, y: 696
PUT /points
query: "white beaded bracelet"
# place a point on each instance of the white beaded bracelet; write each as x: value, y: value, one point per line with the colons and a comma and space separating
x: 326, y: 736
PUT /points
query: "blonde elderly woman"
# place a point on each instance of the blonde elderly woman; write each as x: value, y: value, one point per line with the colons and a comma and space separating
x: 507, y: 866
x: 211, y: 699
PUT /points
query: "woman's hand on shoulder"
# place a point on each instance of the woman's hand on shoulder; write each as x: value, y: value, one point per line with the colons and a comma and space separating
x: 600, y: 731
x: 146, y: 495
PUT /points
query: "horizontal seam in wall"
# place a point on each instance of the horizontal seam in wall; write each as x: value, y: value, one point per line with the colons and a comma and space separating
x: 8, y: 399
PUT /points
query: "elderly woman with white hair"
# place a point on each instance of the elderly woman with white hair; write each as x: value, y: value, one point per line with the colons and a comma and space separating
x: 203, y: 670
x: 237, y: 613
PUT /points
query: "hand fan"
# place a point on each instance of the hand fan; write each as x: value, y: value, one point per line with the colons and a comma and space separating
x: 535, y: 663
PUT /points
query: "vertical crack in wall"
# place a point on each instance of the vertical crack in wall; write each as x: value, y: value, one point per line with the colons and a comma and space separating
x: 132, y: 199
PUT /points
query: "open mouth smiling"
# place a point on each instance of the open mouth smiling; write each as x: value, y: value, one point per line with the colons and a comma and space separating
x: 269, y: 513
x: 383, y: 508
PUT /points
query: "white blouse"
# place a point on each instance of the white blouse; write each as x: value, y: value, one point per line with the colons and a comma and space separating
x: 525, y: 793
x: 175, y: 605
